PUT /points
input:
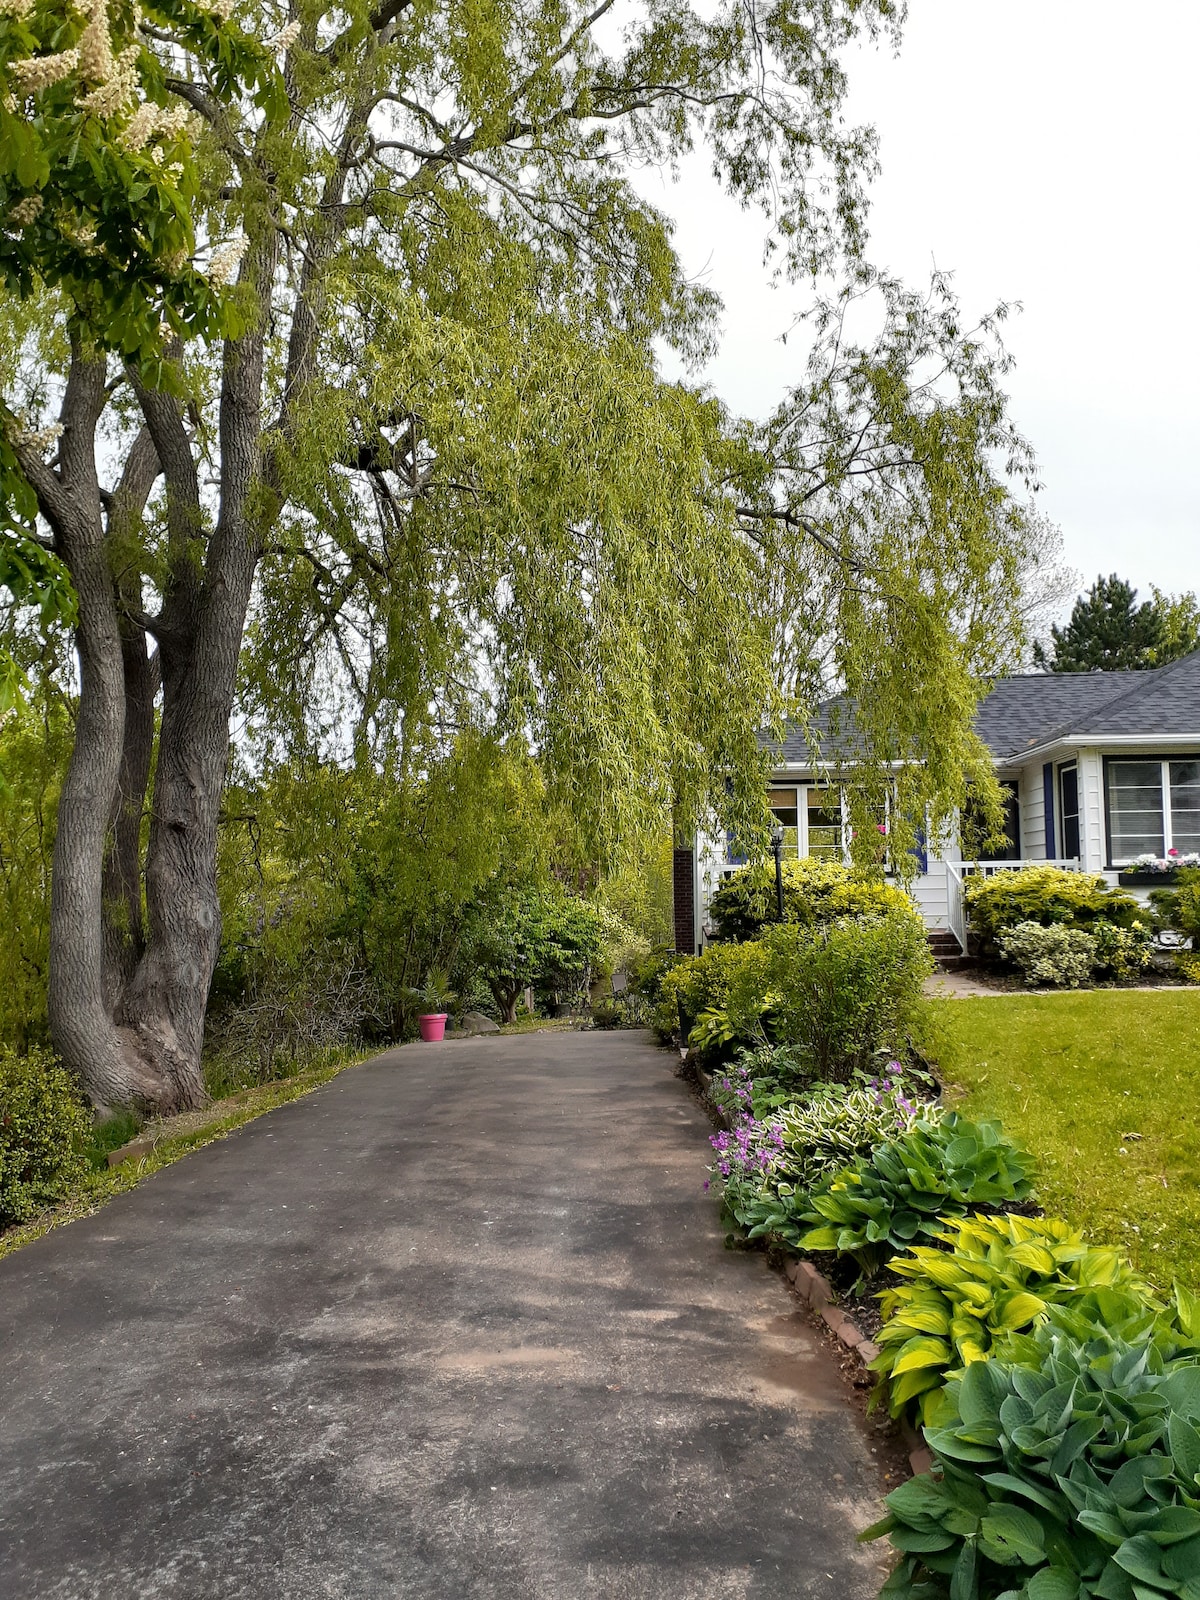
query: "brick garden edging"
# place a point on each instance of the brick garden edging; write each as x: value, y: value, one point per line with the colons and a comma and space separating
x: 814, y: 1289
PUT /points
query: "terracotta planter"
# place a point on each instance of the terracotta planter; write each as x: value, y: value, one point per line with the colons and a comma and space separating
x: 432, y: 1026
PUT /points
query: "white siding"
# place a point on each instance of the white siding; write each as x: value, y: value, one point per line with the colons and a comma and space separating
x: 1092, y: 846
x: 930, y: 893
x: 1033, y: 813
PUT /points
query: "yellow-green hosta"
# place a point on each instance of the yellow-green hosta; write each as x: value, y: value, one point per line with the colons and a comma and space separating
x: 997, y: 1276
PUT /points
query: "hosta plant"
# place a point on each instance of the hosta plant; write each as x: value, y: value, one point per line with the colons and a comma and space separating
x: 817, y: 1137
x: 903, y: 1193
x: 1077, y: 1478
x: 996, y: 1276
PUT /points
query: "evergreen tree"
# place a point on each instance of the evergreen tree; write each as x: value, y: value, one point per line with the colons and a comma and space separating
x: 1108, y: 631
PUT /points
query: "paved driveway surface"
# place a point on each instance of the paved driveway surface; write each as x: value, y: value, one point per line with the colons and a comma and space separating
x: 458, y: 1324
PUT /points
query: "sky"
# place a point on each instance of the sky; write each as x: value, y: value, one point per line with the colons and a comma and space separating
x: 1046, y: 152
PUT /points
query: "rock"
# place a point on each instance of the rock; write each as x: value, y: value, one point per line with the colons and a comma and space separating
x: 476, y: 1022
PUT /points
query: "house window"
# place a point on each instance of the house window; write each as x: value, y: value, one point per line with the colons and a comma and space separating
x: 825, y: 823
x: 784, y: 809
x: 1153, y: 807
x: 1068, y: 808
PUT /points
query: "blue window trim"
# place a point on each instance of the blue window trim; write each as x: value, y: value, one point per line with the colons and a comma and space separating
x: 1048, y: 792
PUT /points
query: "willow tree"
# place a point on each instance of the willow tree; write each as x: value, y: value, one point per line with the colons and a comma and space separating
x: 421, y: 449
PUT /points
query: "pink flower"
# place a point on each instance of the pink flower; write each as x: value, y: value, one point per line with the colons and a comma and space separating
x: 881, y: 827
x: 1172, y: 852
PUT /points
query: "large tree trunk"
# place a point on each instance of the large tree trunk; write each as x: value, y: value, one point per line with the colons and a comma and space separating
x: 129, y: 982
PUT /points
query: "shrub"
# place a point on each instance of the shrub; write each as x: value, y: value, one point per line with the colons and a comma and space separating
x: 1046, y: 895
x: 44, y: 1129
x: 997, y: 1276
x: 703, y: 983
x: 1123, y: 952
x: 1187, y: 965
x: 844, y: 994
x: 1179, y: 907
x: 903, y: 1193
x: 1058, y: 956
x: 1074, y: 1478
x: 814, y: 891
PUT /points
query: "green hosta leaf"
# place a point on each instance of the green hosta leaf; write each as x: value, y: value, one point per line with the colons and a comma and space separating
x: 1175, y: 1524
x: 1114, y: 1584
x: 1019, y: 1310
x: 922, y: 1351
x: 1010, y: 1535
x: 1182, y: 1561
x: 1141, y: 1559
x: 1040, y: 1496
x: 963, y: 1584
x: 1184, y: 1440
x: 1053, y: 1583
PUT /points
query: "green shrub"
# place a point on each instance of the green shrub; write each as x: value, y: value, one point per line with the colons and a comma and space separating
x: 903, y: 1193
x: 1179, y: 906
x: 703, y: 983
x: 814, y: 891
x: 44, y: 1129
x: 1046, y: 895
x: 1076, y: 1478
x: 844, y: 994
x: 996, y: 1277
x: 1187, y: 965
x: 1055, y: 956
x: 1122, y: 952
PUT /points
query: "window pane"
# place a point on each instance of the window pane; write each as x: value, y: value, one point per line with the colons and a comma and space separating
x: 1068, y: 785
x: 825, y: 823
x: 1135, y: 809
x: 1185, y: 806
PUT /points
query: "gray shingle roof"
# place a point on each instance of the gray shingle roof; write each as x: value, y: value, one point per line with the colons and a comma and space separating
x: 1021, y: 713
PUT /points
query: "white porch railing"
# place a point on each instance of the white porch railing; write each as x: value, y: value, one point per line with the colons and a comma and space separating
x: 958, y: 871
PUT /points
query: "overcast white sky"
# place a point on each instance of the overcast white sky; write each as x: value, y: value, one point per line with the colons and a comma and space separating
x: 1044, y: 151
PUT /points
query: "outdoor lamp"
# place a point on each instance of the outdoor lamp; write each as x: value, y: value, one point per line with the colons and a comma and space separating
x: 777, y: 850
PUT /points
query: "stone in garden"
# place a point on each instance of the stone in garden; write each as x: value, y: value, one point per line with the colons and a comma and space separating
x: 476, y: 1022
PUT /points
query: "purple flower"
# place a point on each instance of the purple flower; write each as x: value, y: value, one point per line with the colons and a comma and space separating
x: 706, y: 1185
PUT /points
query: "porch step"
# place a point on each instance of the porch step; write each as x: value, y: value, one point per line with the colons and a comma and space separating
x: 945, y: 949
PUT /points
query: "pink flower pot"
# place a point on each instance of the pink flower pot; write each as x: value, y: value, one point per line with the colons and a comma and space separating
x: 433, y: 1026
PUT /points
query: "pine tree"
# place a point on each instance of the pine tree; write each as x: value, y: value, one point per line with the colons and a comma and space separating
x: 1108, y: 631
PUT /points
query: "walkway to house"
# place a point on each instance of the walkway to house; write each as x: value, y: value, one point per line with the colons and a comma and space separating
x: 459, y: 1324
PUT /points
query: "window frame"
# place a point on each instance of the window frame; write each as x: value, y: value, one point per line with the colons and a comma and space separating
x: 1164, y: 764
x: 1061, y: 768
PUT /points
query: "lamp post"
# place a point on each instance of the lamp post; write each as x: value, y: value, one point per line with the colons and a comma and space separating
x: 777, y: 851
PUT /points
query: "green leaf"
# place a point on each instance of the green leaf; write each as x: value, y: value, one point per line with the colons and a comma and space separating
x: 1010, y: 1535
x: 1140, y: 1557
x: 1053, y: 1583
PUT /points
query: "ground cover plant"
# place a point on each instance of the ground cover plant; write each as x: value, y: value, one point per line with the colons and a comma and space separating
x: 1101, y: 1087
x: 1073, y: 1475
x: 987, y: 1278
x: 902, y: 1193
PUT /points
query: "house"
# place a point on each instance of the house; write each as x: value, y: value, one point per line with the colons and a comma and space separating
x: 1100, y: 768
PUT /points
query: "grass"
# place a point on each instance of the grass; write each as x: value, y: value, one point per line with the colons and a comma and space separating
x: 198, y: 1128
x: 1102, y: 1087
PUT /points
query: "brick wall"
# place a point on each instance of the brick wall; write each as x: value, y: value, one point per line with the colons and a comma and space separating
x: 683, y: 884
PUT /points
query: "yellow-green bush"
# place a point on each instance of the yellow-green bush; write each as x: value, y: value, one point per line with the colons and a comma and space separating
x: 44, y: 1129
x: 815, y: 890
x: 1046, y: 895
x: 704, y: 983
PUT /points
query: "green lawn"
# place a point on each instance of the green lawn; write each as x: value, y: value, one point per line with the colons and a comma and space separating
x: 1104, y: 1088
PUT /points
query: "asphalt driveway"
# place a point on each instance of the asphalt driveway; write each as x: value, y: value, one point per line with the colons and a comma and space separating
x: 459, y: 1324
